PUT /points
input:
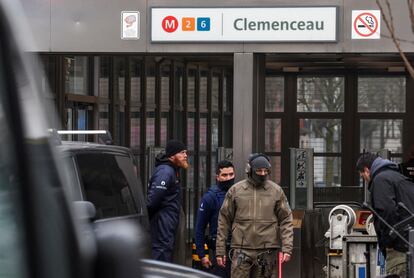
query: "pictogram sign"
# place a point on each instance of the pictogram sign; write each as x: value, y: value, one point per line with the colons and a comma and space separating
x: 366, y: 24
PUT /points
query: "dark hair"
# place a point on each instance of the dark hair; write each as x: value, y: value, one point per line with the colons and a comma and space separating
x: 365, y: 160
x: 223, y: 164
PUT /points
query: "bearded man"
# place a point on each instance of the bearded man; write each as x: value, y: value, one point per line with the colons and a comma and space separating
x: 164, y: 199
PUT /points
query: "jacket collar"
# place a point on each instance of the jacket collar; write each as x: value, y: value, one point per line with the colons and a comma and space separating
x: 250, y: 182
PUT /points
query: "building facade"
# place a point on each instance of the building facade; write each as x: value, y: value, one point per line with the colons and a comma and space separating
x: 262, y: 76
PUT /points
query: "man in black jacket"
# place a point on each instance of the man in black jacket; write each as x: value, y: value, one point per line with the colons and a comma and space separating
x: 388, y: 187
x: 164, y: 199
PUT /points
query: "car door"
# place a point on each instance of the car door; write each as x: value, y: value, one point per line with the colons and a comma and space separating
x: 39, y: 237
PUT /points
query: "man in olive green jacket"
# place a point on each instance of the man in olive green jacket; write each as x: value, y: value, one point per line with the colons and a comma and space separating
x: 257, y: 213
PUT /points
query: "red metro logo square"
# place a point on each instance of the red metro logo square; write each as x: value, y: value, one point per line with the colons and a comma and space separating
x: 169, y: 24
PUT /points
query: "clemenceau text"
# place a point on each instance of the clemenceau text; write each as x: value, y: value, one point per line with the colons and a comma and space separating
x: 243, y: 24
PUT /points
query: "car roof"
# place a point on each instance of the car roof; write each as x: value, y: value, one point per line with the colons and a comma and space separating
x: 84, y: 147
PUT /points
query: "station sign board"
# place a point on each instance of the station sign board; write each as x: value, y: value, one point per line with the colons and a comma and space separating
x: 282, y: 24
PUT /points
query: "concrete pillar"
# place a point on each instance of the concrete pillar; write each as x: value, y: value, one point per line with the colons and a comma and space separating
x: 248, y: 71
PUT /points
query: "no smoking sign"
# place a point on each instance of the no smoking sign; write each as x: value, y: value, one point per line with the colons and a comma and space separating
x: 366, y: 24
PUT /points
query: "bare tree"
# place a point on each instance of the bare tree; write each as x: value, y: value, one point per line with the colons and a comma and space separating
x: 386, y: 13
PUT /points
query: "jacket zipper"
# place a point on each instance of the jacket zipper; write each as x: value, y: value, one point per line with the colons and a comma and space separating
x: 254, y: 208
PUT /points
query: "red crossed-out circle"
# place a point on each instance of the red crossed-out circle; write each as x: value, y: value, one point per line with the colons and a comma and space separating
x: 372, y: 30
x: 169, y: 24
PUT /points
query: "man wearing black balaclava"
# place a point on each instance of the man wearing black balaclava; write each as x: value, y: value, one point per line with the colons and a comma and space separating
x: 257, y: 213
x: 208, y: 214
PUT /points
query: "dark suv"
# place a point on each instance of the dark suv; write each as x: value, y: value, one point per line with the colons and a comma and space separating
x: 106, y: 176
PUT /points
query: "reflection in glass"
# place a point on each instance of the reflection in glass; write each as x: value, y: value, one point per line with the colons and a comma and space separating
x: 191, y: 90
x: 203, y: 134
x: 165, y: 88
x: 190, y: 173
x: 135, y: 75
x: 225, y: 94
x: 273, y: 131
x: 213, y: 169
x: 103, y: 120
x: 274, y: 93
x: 135, y: 127
x: 203, y: 90
x: 119, y: 80
x: 376, y: 134
x: 327, y: 171
x: 190, y: 133
x: 102, y: 76
x: 150, y: 132
x: 150, y: 88
x: 164, y: 122
x: 215, y: 93
x: 76, y: 75
x: 214, y: 134
x: 381, y: 94
x: 323, y: 135
x: 202, y: 175
x: 178, y: 86
x: 276, y: 170
x: 320, y: 94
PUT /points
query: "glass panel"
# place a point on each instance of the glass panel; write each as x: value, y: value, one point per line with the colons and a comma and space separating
x: 179, y: 86
x: 135, y: 127
x: 150, y: 89
x: 273, y: 131
x: 191, y: 90
x: 76, y: 75
x: 106, y: 179
x: 103, y: 120
x: 381, y: 94
x: 381, y: 134
x: 225, y: 94
x: 327, y: 171
x: 215, y: 93
x: 165, y: 88
x: 203, y: 90
x: 69, y: 120
x: 119, y: 80
x: 324, y: 135
x: 135, y: 73
x: 214, y: 134
x: 203, y: 134
x: 274, y: 93
x: 120, y: 126
x: 190, y: 172
x: 164, y: 122
x: 213, y: 169
x: 190, y: 133
x: 49, y: 77
x: 202, y: 186
x: 150, y: 132
x: 276, y: 170
x: 320, y: 94
x: 102, y: 76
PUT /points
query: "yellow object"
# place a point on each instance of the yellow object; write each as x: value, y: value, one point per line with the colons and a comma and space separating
x: 194, y: 254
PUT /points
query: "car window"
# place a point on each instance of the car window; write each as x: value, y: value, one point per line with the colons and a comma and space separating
x: 12, y: 251
x: 106, y: 181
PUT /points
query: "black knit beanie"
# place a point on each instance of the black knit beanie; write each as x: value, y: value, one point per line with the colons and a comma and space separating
x: 173, y: 147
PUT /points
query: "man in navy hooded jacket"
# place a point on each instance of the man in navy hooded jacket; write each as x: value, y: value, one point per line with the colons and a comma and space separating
x: 388, y: 187
x: 164, y: 199
x: 208, y: 214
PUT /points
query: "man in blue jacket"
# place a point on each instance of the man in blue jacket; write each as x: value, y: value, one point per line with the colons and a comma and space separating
x: 208, y: 214
x: 164, y: 199
x: 388, y: 187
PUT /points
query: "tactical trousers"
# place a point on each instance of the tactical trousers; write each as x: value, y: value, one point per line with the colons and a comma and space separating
x: 396, y: 263
x: 254, y: 263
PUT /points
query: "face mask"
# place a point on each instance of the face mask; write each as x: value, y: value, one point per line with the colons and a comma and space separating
x: 259, y: 179
x: 225, y: 185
